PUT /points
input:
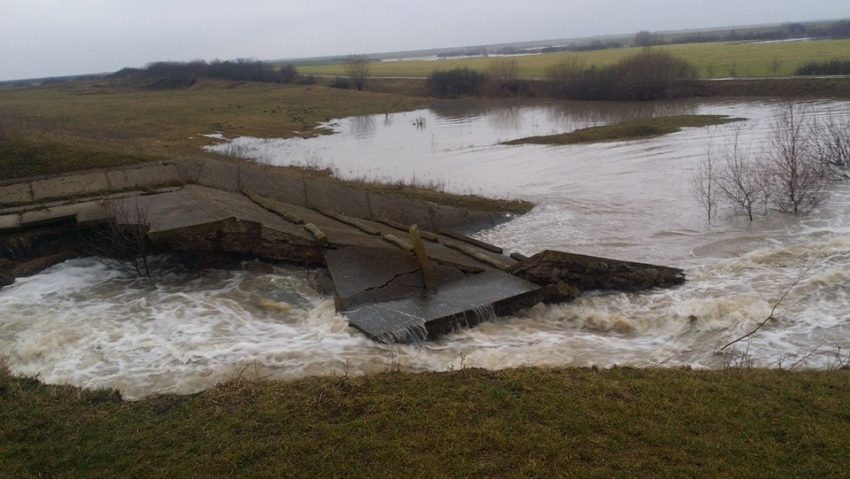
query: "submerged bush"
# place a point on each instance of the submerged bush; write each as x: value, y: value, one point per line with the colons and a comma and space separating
x: 456, y: 82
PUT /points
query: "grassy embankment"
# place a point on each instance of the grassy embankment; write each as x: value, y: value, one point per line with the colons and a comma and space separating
x: 100, y: 124
x: 713, y: 60
x: 468, y: 423
x: 648, y: 128
x: 169, y: 122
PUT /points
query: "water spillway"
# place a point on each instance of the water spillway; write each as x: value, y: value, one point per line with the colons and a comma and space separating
x: 361, y: 253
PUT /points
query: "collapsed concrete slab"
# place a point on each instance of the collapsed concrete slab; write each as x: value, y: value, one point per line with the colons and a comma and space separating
x: 382, y: 293
x: 589, y: 272
x: 375, y: 257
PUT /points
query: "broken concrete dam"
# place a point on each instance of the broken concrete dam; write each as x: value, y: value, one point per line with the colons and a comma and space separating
x: 403, y: 268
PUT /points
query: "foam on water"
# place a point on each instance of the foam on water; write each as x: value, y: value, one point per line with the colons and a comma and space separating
x: 82, y: 323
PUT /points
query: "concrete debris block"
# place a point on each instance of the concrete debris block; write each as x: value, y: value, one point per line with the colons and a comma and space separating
x: 518, y: 256
x: 499, y: 262
x: 403, y: 227
x: 401, y: 243
x: 589, y: 272
x: 351, y: 222
x: 317, y: 233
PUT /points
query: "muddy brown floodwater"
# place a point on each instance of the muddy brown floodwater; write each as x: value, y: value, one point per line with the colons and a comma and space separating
x: 81, y: 323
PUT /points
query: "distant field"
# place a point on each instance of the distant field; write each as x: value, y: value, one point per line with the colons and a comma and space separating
x: 167, y: 122
x: 714, y: 60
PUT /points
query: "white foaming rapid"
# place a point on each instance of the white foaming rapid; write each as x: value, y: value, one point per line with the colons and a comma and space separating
x: 81, y: 323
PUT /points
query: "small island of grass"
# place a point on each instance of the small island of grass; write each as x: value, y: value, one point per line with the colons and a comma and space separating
x: 647, y: 128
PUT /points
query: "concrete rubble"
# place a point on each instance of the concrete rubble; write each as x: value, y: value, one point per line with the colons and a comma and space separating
x: 362, y: 237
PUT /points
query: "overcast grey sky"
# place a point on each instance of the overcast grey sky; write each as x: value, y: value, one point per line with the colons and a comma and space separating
x: 59, y: 37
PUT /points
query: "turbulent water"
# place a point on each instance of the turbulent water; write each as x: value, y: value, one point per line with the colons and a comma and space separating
x: 82, y: 323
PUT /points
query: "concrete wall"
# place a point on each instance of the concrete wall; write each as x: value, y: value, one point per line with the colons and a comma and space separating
x: 250, y: 178
x: 88, y: 183
x: 336, y: 196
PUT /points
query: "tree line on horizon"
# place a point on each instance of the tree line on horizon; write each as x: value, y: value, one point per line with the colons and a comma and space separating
x: 232, y: 70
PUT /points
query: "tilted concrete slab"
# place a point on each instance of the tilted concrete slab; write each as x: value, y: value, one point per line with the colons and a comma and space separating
x: 383, y: 294
x: 591, y: 272
x: 463, y: 303
x: 369, y: 275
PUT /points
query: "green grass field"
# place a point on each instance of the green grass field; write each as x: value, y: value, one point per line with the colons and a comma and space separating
x: 96, y: 124
x: 627, y: 131
x: 124, y: 116
x: 469, y: 423
x: 714, y: 60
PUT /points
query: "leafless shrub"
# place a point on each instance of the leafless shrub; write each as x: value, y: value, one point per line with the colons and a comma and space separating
x: 832, y: 144
x: 358, y: 69
x: 122, y: 239
x: 741, y: 181
x: 840, y: 360
x: 705, y: 186
x: 792, y: 174
x: 797, y: 175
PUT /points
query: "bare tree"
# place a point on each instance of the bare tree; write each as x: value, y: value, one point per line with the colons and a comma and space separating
x: 122, y: 241
x: 705, y: 183
x: 741, y: 180
x: 358, y: 68
x: 797, y: 174
x: 832, y: 144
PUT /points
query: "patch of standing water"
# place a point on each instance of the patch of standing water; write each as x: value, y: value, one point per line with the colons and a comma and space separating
x: 81, y: 323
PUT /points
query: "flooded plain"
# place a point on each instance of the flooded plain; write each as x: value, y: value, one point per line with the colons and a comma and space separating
x: 84, y: 324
